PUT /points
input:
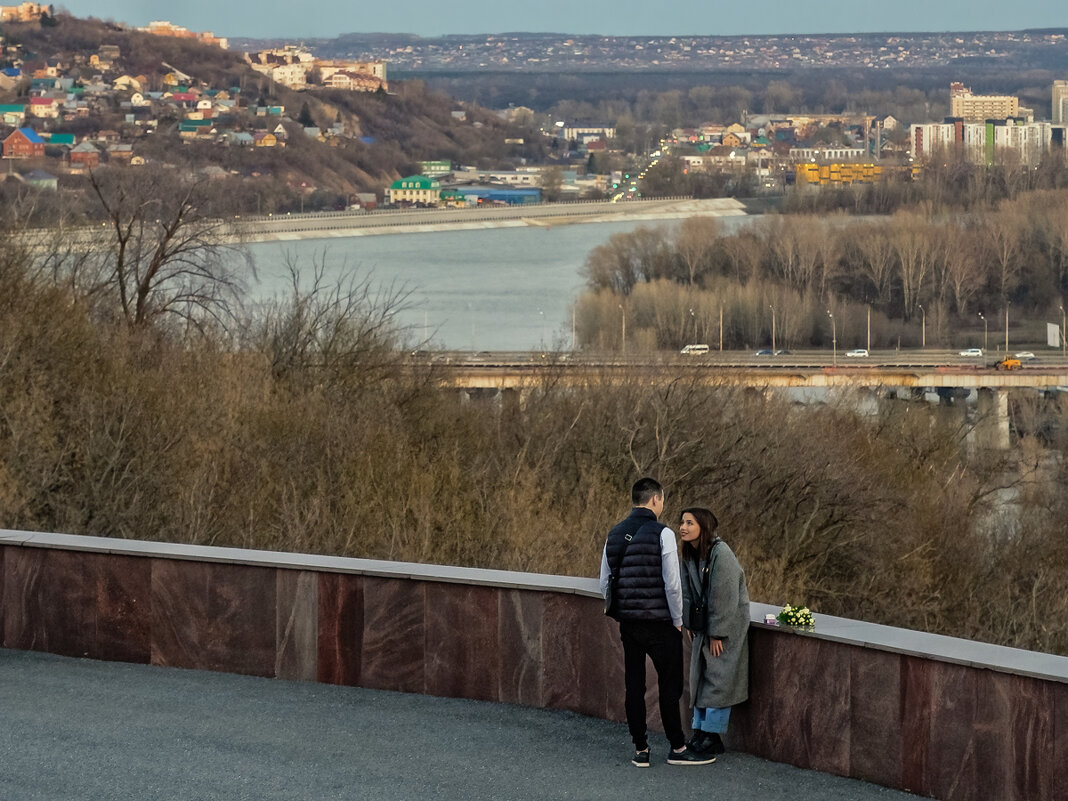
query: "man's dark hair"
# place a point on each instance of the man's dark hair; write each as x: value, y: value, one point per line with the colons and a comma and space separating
x: 644, y: 490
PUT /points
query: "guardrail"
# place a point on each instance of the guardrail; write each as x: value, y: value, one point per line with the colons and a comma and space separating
x: 933, y: 715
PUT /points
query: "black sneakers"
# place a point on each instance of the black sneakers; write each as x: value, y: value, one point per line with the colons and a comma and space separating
x: 641, y: 759
x: 688, y: 757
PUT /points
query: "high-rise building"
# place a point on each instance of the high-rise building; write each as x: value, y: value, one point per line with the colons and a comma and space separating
x: 1060, y: 103
x: 979, y: 108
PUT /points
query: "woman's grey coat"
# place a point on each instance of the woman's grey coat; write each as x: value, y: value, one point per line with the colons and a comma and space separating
x: 724, y: 680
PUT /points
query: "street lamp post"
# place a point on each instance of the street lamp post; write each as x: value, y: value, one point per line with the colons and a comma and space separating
x: 869, y: 327
x: 834, y: 338
x: 1007, y: 304
x: 986, y: 332
x: 694, y: 316
x: 623, y: 349
x: 923, y: 327
x: 772, y: 329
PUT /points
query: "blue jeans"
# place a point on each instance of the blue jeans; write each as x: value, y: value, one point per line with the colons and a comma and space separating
x: 711, y: 719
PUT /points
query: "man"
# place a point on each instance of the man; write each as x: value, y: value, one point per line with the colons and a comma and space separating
x: 641, y: 556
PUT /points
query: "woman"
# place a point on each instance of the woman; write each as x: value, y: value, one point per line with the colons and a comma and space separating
x: 719, y: 662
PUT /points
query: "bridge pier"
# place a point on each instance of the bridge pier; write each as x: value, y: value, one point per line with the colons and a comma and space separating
x: 481, y: 396
x: 992, y: 420
x: 513, y: 401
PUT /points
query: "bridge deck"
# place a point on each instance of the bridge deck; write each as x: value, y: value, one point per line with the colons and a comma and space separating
x: 514, y: 373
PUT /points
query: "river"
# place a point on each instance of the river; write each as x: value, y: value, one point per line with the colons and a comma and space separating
x: 486, y: 289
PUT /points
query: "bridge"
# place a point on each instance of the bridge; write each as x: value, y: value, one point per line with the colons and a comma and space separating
x: 809, y: 369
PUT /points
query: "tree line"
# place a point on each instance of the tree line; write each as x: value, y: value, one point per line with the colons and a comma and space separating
x: 941, y: 269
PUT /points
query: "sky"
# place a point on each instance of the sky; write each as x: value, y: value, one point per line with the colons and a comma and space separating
x: 329, y: 18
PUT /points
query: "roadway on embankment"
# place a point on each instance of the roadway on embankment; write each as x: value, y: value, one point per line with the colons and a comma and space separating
x: 286, y: 227
x: 76, y: 729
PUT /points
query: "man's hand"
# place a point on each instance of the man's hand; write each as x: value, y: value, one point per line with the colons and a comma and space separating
x: 715, y: 647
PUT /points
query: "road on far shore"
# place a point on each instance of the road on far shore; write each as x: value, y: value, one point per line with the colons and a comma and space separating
x: 282, y: 227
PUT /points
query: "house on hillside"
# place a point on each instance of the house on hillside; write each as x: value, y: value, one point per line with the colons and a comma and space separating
x: 41, y: 180
x: 191, y: 129
x: 120, y: 154
x: 240, y: 138
x: 84, y: 156
x: 9, y: 78
x: 44, y: 107
x: 264, y: 139
x: 24, y: 143
x: 13, y: 114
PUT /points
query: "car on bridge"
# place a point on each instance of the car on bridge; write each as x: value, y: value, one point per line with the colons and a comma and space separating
x: 972, y: 352
x: 694, y: 350
x: 858, y: 353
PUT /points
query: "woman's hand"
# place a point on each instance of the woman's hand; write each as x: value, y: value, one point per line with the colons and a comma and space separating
x: 715, y: 647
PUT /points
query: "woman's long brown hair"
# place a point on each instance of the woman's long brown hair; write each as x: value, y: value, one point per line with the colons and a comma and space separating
x: 708, y: 524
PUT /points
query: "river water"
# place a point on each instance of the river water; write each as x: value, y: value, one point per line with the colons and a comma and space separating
x: 486, y: 289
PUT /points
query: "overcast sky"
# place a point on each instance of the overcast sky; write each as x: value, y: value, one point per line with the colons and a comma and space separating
x: 284, y: 18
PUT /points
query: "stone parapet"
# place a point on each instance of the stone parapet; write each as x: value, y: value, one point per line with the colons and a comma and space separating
x: 933, y: 715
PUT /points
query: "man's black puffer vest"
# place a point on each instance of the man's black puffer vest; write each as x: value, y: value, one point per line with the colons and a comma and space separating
x: 639, y: 589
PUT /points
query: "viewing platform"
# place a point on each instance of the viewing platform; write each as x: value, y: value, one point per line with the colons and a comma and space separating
x: 426, y: 681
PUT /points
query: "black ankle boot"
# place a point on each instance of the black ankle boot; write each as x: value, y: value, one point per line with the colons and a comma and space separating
x: 701, y: 741
x: 715, y: 744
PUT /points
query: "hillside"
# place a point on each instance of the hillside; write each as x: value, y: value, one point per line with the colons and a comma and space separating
x: 367, y: 141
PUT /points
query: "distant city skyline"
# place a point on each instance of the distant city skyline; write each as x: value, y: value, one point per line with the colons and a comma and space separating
x: 330, y: 18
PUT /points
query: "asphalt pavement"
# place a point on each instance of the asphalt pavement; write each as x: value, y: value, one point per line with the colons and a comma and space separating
x: 76, y: 729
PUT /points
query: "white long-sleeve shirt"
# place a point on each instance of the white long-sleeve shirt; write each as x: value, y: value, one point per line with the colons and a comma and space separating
x: 669, y: 567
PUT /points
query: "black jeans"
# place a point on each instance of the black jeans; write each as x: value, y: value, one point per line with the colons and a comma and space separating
x: 661, y: 642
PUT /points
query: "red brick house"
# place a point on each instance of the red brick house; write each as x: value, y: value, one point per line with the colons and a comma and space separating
x: 85, y: 155
x: 24, y: 143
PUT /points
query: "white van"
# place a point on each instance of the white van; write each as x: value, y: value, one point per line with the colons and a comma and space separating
x: 694, y: 350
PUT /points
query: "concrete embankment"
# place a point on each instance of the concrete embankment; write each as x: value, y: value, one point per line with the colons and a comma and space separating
x: 347, y: 224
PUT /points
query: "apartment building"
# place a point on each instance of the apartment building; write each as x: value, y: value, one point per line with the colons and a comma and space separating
x: 990, y: 143
x: 27, y: 12
x: 980, y: 108
x: 1060, y: 103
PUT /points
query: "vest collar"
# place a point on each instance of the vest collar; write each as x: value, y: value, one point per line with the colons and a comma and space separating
x: 641, y: 511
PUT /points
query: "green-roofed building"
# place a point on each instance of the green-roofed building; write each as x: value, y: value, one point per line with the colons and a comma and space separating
x: 451, y: 197
x: 415, y: 190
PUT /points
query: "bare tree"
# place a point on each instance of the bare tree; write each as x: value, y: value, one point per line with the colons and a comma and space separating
x: 915, y: 248
x: 1000, y: 235
x: 876, y: 253
x: 164, y: 252
x: 695, y: 242
x: 324, y: 331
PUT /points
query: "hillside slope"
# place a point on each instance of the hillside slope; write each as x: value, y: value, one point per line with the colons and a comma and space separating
x: 380, y: 136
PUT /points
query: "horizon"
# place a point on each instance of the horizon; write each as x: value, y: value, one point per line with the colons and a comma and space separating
x: 977, y: 31
x: 619, y: 18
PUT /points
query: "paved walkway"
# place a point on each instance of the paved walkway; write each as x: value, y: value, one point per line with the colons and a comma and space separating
x: 73, y: 729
